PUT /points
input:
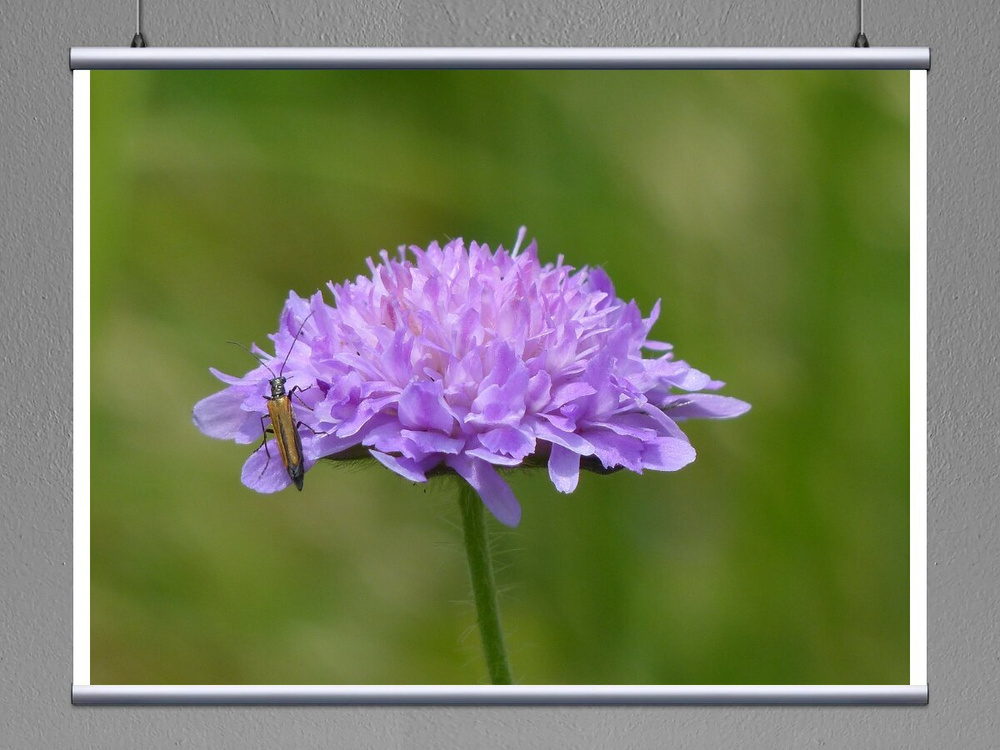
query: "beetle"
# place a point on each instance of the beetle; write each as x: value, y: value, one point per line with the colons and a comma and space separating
x: 284, y: 426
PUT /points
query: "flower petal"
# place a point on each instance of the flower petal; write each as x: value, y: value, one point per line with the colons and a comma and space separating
x: 385, y: 437
x: 263, y: 473
x: 705, y: 406
x: 422, y: 407
x: 320, y: 446
x: 538, y: 390
x: 424, y: 442
x: 567, y: 439
x: 690, y: 379
x: 221, y: 415
x: 569, y: 392
x: 405, y: 467
x: 364, y: 413
x: 494, y: 491
x: 665, y: 423
x: 637, y: 425
x: 232, y: 379
x: 667, y: 454
x: 616, y: 450
x: 493, y: 458
x: 511, y: 441
x: 564, y: 468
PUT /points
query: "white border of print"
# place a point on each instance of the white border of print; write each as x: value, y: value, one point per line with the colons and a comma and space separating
x: 913, y: 693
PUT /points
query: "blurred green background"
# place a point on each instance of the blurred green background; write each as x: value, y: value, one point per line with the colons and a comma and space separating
x: 769, y: 210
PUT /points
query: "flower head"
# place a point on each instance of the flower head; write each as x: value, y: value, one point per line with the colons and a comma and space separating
x: 465, y: 359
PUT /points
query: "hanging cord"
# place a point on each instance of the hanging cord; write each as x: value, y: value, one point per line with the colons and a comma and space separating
x: 139, y: 40
x: 861, y: 40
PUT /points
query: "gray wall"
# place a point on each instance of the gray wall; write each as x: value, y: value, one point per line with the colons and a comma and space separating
x: 35, y: 346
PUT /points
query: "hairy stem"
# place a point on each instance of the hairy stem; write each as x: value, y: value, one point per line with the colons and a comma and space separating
x: 484, y: 588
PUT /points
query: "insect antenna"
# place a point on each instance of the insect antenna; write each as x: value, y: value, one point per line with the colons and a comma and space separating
x: 255, y: 356
x: 294, y: 341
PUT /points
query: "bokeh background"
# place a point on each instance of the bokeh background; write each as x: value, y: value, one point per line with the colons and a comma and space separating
x: 769, y: 211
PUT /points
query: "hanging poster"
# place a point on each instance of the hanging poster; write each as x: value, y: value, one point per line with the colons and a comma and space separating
x: 603, y: 384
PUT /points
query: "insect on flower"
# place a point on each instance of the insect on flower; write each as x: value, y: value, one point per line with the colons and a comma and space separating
x: 467, y: 360
x: 284, y: 426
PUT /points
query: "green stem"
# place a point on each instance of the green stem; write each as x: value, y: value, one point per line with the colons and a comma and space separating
x: 484, y: 588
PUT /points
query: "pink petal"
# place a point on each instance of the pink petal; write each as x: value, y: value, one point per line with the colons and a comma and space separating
x: 705, y: 406
x: 405, y: 467
x: 511, y: 441
x: 221, y: 415
x: 494, y: 491
x: 564, y: 468
x: 422, y: 406
x: 263, y: 474
x: 616, y: 450
x: 667, y: 454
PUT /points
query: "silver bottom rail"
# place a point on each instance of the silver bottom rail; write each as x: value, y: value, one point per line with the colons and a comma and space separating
x: 510, y: 695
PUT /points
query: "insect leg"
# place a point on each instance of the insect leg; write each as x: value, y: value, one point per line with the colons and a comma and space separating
x: 263, y: 444
x: 297, y: 390
x: 303, y: 424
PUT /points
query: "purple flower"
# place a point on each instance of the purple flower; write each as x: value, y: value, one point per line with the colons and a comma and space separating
x: 467, y: 360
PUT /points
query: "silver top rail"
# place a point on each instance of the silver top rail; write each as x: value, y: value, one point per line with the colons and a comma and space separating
x: 565, y: 58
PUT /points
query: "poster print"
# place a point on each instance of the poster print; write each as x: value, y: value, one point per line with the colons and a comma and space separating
x: 756, y: 222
